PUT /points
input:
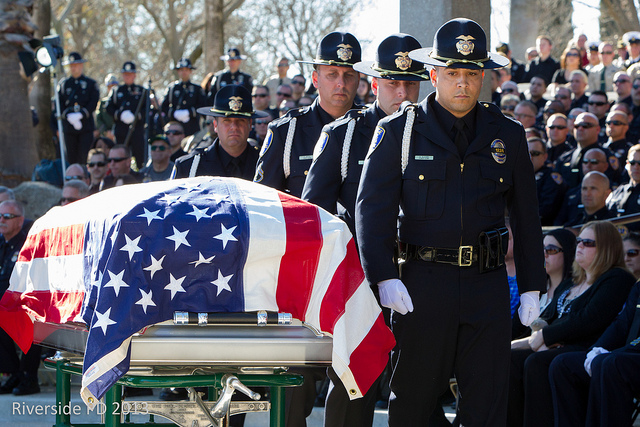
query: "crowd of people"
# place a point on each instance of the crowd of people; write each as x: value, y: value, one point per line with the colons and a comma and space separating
x: 445, y: 184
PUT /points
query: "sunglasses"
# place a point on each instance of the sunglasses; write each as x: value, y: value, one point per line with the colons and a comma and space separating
x: 636, y: 86
x: 286, y: 95
x: 259, y: 95
x: 208, y: 122
x: 584, y: 125
x: 508, y: 90
x: 174, y: 132
x: 158, y: 148
x: 9, y: 216
x: 297, y: 82
x: 632, y: 253
x: 94, y: 164
x: 572, y: 54
x: 633, y: 162
x: 509, y: 107
x: 587, y: 243
x: 262, y: 121
x: 552, y: 250
x: 69, y: 178
x: 534, y: 153
x: 598, y: 103
x: 68, y: 200
x: 117, y: 159
x: 606, y: 53
x: 619, y: 82
x: 562, y: 97
x: 615, y: 123
x: 592, y: 161
x: 559, y: 127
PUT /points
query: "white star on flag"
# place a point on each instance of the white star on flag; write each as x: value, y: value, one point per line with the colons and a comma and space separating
x: 226, y: 235
x: 131, y: 246
x: 116, y: 282
x: 198, y: 213
x: 179, y: 238
x: 156, y: 265
x: 169, y: 198
x: 150, y: 216
x: 175, y: 285
x: 202, y: 260
x: 222, y: 282
x: 146, y: 300
x: 103, y: 321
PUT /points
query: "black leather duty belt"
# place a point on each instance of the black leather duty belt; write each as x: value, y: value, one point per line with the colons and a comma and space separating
x: 463, y: 256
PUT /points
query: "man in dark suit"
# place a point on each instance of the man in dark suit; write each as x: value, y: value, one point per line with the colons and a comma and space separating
x: 230, y: 155
x: 439, y: 176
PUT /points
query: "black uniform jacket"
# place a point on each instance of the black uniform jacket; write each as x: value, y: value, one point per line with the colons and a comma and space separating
x: 123, y: 98
x: 211, y: 163
x: 443, y: 201
x: 270, y: 170
x: 325, y: 185
x: 184, y: 96
x: 79, y: 95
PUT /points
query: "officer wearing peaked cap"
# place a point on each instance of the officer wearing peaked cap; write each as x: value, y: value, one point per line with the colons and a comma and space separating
x: 632, y: 40
x: 79, y: 96
x: 230, y: 75
x: 287, y: 150
x: 230, y: 155
x: 439, y: 176
x: 183, y: 98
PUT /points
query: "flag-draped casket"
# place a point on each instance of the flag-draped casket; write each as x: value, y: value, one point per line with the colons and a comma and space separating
x: 128, y: 257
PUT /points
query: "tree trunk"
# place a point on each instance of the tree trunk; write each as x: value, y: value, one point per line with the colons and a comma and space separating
x: 616, y: 18
x: 555, y: 22
x: 214, y: 35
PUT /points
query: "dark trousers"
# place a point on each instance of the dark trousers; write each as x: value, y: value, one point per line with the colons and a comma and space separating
x: 77, y: 146
x: 10, y: 363
x: 136, y: 141
x: 569, y: 389
x: 461, y: 324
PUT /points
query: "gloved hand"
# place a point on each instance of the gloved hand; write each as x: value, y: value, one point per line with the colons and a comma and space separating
x: 181, y: 115
x: 394, y: 295
x: 592, y: 355
x: 75, y: 119
x: 127, y: 117
x: 529, y: 307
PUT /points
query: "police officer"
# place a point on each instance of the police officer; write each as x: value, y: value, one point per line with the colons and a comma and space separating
x: 183, y: 98
x: 79, y: 96
x: 625, y: 200
x: 549, y: 185
x: 439, y: 175
x: 231, y: 75
x: 287, y: 150
x: 127, y: 100
x: 230, y: 155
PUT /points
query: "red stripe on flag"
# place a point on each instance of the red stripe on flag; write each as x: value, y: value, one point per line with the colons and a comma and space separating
x: 304, y: 242
x: 347, y: 278
x: 367, y: 361
x: 59, y: 241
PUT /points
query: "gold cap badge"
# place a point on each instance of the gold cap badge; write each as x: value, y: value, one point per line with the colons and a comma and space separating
x: 465, y: 45
x: 403, y: 62
x: 344, y: 52
x: 235, y: 103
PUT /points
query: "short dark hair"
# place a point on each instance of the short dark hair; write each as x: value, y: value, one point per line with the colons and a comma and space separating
x: 127, y: 150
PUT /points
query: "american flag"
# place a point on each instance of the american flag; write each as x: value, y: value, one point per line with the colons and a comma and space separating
x: 128, y: 257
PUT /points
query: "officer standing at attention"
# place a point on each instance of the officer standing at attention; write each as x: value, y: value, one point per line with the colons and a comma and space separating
x: 123, y: 104
x: 230, y: 155
x: 79, y: 96
x: 231, y: 75
x: 439, y: 176
x: 183, y: 98
x: 287, y: 150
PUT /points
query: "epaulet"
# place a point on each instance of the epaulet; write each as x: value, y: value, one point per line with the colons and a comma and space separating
x: 354, y: 114
x: 294, y: 112
x: 491, y: 107
x: 404, y: 108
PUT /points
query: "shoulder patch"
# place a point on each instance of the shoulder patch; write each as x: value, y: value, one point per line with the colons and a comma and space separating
x: 375, y: 141
x: 557, y: 178
x: 319, y: 148
x: 614, y: 162
x: 267, y: 142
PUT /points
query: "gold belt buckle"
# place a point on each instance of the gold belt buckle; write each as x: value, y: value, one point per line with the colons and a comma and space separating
x: 465, y: 261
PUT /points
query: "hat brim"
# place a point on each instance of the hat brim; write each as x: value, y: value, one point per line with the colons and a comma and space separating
x: 227, y: 57
x: 319, y: 62
x: 366, y: 67
x: 424, y: 55
x: 129, y: 71
x: 209, y: 111
x: 178, y: 68
x: 79, y: 61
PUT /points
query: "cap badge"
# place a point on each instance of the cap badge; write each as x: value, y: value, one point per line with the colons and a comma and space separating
x: 235, y: 103
x: 344, y: 52
x: 127, y: 67
x: 465, y: 45
x: 403, y: 62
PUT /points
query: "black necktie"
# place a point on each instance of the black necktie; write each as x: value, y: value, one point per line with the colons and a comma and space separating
x: 235, y: 170
x: 461, y: 141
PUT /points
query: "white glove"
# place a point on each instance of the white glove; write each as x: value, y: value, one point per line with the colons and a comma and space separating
x: 394, y: 295
x: 127, y: 117
x: 592, y: 355
x: 181, y: 115
x: 529, y: 307
x: 75, y: 119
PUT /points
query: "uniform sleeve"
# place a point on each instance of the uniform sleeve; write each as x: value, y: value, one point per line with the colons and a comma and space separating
x: 322, y: 186
x: 524, y: 219
x: 616, y: 334
x: 377, y: 204
x: 269, y: 169
x: 551, y: 200
x: 94, y: 98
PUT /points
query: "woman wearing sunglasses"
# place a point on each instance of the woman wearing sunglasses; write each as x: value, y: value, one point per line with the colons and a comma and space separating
x: 581, y: 309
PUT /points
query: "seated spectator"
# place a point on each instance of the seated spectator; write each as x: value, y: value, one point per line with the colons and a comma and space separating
x: 298, y: 83
x: 625, y: 200
x: 305, y: 101
x: 622, y: 87
x: 526, y: 112
x: 578, y: 84
x: 72, y: 191
x: 559, y: 251
x: 261, y: 126
x: 76, y: 171
x: 508, y: 104
x: 631, y: 244
x: 586, y: 202
x: 97, y: 167
x: 550, y: 108
x: 617, y: 124
x: 563, y: 94
x: 175, y: 133
x: 119, y: 162
x: 580, y: 311
x: 598, y: 105
x: 549, y: 185
x: 160, y: 167
x: 537, y: 88
x: 103, y: 143
x: 569, y: 61
x: 557, y: 130
x: 286, y: 105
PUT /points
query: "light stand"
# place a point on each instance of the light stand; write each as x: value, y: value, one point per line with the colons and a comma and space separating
x: 59, y: 121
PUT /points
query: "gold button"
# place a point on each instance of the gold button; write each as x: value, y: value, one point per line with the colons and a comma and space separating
x: 306, y: 172
x: 421, y: 177
x: 501, y: 180
x: 353, y: 392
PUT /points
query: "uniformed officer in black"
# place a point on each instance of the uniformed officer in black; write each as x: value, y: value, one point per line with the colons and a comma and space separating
x: 443, y: 192
x: 287, y: 150
x: 79, y: 96
x: 625, y: 200
x: 122, y: 105
x: 183, y: 98
x: 230, y: 75
x: 549, y: 185
x: 230, y: 155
